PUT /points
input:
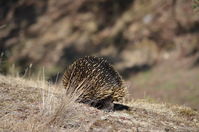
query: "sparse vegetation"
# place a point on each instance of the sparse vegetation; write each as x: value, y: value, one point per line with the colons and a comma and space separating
x: 28, y: 105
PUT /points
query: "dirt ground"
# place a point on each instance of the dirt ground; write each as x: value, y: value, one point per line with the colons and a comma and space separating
x: 28, y: 105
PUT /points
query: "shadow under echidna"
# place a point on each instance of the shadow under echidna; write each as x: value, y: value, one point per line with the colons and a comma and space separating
x: 95, y: 82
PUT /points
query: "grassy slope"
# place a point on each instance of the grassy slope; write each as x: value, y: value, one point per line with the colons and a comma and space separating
x: 27, y: 105
x: 174, y: 80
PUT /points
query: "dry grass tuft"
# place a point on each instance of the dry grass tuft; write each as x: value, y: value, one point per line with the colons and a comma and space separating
x: 47, y: 107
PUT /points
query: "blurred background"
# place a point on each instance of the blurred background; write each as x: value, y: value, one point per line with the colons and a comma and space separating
x: 154, y: 44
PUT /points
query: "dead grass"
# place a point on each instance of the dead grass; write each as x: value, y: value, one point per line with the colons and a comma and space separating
x: 36, y: 106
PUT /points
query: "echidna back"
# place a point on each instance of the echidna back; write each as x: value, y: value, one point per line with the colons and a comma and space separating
x: 95, y: 77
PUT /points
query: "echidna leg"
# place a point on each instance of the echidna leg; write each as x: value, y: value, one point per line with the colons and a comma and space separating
x: 106, y: 104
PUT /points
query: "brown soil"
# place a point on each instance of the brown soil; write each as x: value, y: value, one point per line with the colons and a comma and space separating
x: 35, y: 106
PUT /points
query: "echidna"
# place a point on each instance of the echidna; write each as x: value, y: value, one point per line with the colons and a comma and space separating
x: 97, y: 81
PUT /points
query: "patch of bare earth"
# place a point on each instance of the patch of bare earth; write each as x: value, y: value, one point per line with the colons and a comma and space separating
x: 27, y: 105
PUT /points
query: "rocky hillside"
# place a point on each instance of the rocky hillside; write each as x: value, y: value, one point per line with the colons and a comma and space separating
x: 53, y: 33
x: 29, y: 105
